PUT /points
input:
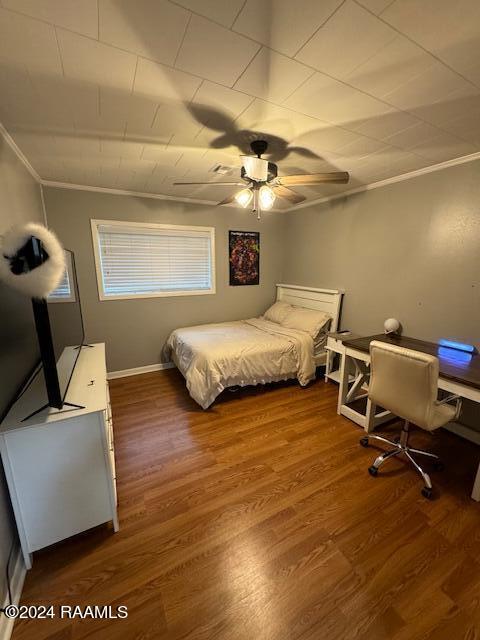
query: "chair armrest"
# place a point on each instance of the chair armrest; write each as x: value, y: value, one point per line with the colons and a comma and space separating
x: 450, y: 398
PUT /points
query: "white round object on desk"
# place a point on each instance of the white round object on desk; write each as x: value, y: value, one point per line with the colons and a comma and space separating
x: 391, y: 325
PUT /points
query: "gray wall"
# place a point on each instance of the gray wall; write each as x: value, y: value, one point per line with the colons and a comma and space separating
x: 410, y: 250
x: 135, y: 330
x: 19, y: 202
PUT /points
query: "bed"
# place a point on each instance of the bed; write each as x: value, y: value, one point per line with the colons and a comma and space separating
x: 213, y: 357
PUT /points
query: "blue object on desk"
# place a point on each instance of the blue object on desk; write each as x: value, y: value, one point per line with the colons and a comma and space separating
x: 455, y: 356
x: 459, y: 346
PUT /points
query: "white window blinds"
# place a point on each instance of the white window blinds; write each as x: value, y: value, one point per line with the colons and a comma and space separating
x: 154, y: 260
x: 64, y: 292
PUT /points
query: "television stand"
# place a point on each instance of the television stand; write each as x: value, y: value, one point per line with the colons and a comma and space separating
x: 64, y: 368
x: 60, y: 465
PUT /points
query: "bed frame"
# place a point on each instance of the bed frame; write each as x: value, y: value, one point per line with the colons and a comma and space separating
x: 328, y: 300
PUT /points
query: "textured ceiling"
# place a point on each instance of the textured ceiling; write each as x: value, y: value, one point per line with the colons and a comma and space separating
x: 134, y: 94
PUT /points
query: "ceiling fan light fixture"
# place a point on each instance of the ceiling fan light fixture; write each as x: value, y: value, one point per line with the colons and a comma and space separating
x: 244, y: 197
x: 267, y: 197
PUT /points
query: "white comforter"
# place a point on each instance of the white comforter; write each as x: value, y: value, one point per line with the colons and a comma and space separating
x: 215, y: 356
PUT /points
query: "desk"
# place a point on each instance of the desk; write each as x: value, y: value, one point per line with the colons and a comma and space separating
x: 459, y: 373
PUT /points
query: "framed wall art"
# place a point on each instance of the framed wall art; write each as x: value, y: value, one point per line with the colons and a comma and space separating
x: 244, y: 257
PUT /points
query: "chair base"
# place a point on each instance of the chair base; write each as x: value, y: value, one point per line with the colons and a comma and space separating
x: 401, y: 447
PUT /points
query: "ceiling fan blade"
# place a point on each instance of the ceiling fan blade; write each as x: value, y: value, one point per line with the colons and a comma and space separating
x: 214, y: 184
x: 227, y: 200
x: 339, y: 177
x: 288, y: 194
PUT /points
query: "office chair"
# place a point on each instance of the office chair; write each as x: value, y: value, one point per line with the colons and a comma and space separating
x: 405, y: 382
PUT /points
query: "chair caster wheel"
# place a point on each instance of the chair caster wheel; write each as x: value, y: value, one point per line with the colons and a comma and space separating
x: 373, y: 471
x: 397, y: 440
x: 364, y: 442
x: 427, y: 493
x: 438, y: 465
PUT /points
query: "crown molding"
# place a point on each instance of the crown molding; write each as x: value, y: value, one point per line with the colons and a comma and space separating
x: 123, y: 192
x: 140, y: 194
x: 17, y: 151
x: 384, y: 183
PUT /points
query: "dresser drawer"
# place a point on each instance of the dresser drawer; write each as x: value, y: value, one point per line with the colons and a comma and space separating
x: 334, y: 344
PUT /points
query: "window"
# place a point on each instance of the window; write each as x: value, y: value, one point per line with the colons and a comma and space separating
x: 65, y: 292
x: 142, y: 260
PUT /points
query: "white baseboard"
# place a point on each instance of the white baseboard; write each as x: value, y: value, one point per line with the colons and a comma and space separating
x: 17, y: 579
x: 159, y: 366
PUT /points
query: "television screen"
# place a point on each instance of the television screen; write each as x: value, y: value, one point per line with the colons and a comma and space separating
x: 66, y: 324
x: 19, y: 349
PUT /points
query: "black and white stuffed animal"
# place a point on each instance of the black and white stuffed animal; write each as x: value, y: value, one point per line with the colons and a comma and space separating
x: 18, y: 267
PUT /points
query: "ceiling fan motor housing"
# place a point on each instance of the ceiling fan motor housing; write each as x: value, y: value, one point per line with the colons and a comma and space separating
x: 259, y: 147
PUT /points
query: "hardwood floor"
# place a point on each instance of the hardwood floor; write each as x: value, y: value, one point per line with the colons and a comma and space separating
x: 257, y: 520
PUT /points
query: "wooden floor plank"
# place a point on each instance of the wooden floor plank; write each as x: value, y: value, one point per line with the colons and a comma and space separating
x: 258, y: 519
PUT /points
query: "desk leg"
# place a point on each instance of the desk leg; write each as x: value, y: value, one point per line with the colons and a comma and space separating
x: 361, y: 375
x: 476, y: 486
x: 328, y: 364
x: 343, y: 386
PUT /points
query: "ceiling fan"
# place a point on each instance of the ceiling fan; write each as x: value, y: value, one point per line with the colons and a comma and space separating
x: 261, y: 183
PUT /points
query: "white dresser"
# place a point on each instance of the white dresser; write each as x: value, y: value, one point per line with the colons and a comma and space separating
x: 60, y: 464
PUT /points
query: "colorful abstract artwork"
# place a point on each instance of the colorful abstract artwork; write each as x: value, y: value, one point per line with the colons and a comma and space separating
x: 244, y: 256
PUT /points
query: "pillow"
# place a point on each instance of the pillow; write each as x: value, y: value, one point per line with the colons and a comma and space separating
x: 306, y: 320
x: 278, y: 312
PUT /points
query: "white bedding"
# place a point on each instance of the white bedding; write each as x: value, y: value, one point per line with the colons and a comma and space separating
x: 213, y: 357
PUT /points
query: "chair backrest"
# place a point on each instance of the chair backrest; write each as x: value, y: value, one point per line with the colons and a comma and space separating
x: 404, y: 382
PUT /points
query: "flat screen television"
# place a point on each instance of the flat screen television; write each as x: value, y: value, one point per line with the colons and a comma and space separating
x: 58, y: 324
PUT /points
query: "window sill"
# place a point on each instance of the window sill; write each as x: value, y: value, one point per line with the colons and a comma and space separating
x: 162, y: 294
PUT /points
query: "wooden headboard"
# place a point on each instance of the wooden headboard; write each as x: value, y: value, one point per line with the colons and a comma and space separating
x: 328, y: 300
